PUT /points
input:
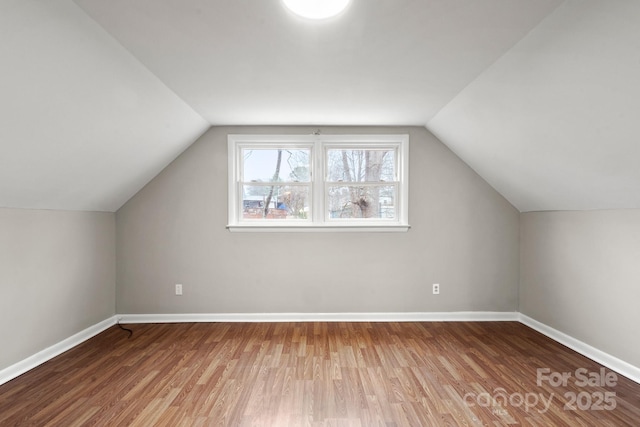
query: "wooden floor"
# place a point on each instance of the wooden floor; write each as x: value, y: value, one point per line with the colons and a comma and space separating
x: 319, y: 374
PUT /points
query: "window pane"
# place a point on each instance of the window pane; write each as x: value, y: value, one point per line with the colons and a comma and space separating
x: 275, y: 202
x: 361, y: 165
x: 375, y: 201
x: 263, y: 165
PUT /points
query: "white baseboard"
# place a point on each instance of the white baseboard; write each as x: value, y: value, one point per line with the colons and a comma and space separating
x: 617, y: 365
x: 605, y: 359
x: 49, y: 353
x: 470, y: 316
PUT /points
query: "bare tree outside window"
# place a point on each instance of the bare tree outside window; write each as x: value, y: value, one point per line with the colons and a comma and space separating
x: 276, y: 178
x: 276, y: 183
x: 358, y: 178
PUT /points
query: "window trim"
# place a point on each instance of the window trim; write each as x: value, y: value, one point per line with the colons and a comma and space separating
x: 318, y: 145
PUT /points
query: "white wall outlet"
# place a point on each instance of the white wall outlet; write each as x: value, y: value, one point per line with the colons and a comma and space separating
x: 178, y: 289
x: 436, y: 288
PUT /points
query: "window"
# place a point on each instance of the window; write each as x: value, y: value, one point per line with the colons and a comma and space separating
x: 318, y: 182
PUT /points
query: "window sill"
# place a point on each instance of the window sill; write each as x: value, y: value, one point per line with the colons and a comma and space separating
x: 387, y: 228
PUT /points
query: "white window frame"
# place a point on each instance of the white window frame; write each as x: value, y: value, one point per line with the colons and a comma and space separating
x: 318, y: 146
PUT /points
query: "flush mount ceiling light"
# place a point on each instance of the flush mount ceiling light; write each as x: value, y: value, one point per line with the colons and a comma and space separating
x: 316, y: 9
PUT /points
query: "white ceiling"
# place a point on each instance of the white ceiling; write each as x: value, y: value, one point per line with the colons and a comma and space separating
x: 553, y: 124
x: 538, y: 96
x: 84, y: 124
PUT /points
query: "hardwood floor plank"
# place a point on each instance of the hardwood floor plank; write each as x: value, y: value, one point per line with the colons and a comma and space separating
x: 316, y: 374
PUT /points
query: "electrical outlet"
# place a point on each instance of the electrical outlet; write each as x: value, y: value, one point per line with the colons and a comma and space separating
x: 178, y: 289
x: 436, y: 288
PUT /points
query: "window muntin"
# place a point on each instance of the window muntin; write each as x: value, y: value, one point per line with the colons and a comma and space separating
x: 361, y: 182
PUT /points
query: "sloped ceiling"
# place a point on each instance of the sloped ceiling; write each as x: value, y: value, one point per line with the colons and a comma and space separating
x: 554, y: 123
x: 84, y: 124
x: 537, y: 96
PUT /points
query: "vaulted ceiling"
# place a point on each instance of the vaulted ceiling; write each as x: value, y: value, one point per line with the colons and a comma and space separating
x: 540, y: 97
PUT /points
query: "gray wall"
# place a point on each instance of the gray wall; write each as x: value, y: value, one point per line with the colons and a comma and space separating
x: 578, y: 271
x: 464, y: 236
x: 580, y: 274
x: 57, y: 276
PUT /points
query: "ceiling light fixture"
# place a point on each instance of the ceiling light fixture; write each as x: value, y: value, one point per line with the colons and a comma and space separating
x: 316, y: 9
